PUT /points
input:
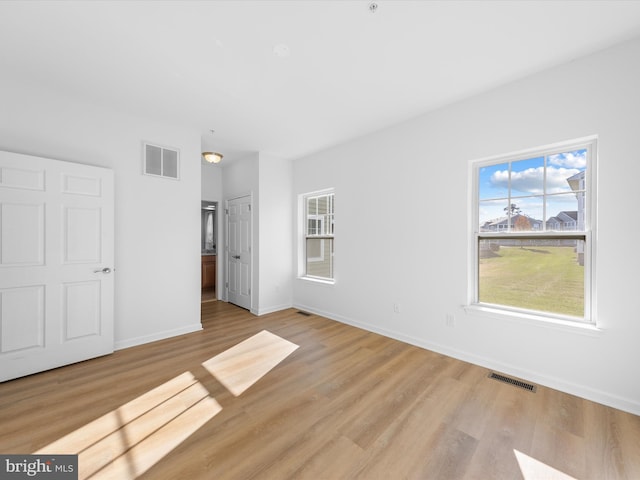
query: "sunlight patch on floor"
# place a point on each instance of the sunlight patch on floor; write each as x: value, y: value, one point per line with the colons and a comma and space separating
x: 128, y: 441
x: 533, y: 469
x: 244, y: 364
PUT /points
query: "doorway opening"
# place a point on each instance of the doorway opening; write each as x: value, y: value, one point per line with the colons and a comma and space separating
x: 208, y: 250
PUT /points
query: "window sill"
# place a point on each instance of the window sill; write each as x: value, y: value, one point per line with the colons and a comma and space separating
x: 588, y: 329
x: 321, y: 281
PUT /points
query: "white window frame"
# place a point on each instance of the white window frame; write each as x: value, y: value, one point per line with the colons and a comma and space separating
x: 322, y: 236
x: 588, y: 235
x: 320, y: 220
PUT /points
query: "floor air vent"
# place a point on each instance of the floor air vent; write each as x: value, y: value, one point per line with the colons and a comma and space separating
x: 512, y: 381
x: 306, y: 314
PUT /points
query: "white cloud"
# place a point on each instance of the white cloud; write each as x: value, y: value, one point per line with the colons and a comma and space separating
x: 577, y: 159
x: 526, y: 181
x: 557, y: 179
x: 530, y: 181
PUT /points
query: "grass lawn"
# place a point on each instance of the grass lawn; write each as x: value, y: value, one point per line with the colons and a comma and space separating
x: 537, y: 278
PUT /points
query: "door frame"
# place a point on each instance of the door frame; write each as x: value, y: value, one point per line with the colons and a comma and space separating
x: 216, y: 239
x: 226, y: 248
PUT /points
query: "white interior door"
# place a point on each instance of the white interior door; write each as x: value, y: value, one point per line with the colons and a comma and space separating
x: 56, y: 261
x: 239, y: 251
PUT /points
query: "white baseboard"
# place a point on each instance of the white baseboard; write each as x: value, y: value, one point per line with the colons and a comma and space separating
x: 588, y: 393
x: 132, y: 342
x: 276, y: 308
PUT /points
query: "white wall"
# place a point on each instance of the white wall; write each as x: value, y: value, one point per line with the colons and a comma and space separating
x: 211, y: 182
x: 275, y: 223
x: 402, y: 202
x: 157, y: 223
x: 268, y: 179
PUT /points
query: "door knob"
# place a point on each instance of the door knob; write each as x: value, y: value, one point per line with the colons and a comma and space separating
x: 237, y: 257
x: 104, y: 270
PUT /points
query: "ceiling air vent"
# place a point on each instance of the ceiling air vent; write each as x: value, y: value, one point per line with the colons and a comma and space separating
x: 161, y: 161
x: 512, y: 381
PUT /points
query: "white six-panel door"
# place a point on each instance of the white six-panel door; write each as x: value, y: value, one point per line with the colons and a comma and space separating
x: 56, y: 263
x: 239, y: 251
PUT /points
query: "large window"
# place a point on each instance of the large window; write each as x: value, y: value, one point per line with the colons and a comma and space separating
x: 534, y: 217
x: 318, y: 247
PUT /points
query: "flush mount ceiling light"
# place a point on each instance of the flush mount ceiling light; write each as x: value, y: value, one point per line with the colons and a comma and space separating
x: 212, y: 157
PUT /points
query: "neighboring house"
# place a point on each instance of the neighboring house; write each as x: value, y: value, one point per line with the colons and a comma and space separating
x: 577, y: 184
x: 566, y: 220
x: 502, y: 224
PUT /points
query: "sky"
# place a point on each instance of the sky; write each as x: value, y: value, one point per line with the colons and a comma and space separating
x: 525, y: 181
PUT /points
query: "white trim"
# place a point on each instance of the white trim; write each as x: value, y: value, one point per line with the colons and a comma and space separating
x: 622, y: 403
x: 320, y: 280
x: 235, y: 197
x: 589, y: 143
x: 555, y: 322
x: 132, y: 342
x: 274, y: 308
x: 303, y: 236
x: 558, y: 147
x: 319, y: 218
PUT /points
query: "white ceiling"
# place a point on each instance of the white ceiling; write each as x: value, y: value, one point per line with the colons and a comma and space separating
x: 211, y: 64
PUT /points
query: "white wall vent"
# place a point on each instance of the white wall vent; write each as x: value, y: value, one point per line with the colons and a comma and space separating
x: 161, y: 161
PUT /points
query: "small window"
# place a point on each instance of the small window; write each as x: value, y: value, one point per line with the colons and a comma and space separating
x: 319, y: 235
x: 534, y: 220
x: 161, y: 161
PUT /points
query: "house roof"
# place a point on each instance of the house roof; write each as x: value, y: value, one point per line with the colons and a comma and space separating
x: 504, y: 220
x: 564, y: 217
x: 574, y: 180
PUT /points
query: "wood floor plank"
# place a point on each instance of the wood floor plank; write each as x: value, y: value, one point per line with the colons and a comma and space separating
x: 406, y: 447
x: 345, y: 403
x: 556, y: 446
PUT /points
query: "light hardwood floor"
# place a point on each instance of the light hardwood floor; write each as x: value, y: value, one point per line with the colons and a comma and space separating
x: 333, y: 402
